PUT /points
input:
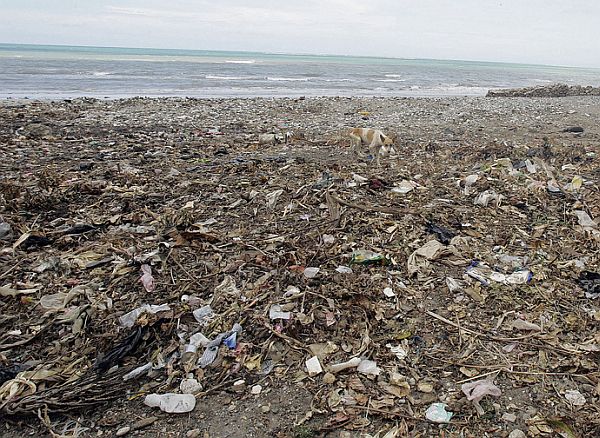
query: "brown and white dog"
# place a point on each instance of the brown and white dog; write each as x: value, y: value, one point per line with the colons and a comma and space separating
x: 380, y: 145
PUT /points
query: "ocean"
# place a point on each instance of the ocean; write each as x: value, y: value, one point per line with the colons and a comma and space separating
x: 57, y: 72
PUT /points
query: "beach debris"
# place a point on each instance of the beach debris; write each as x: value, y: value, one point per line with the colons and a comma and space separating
x: 585, y: 221
x: 276, y: 312
x: 575, y: 397
x: 366, y: 257
x: 313, y: 366
x: 486, y: 275
x: 273, y: 139
x: 5, y: 230
x: 389, y: 292
x: 127, y: 346
x: 444, y: 235
x: 404, y: 187
x: 454, y: 285
x: 6, y: 291
x: 228, y: 338
x: 368, y: 367
x: 232, y: 229
x: 146, y: 279
x: 589, y: 282
x: 437, y: 413
x: 311, y: 272
x: 521, y: 324
x: 399, y: 351
x: 488, y: 196
x: 420, y: 258
x: 190, y: 386
x: 204, y: 314
x: 351, y: 363
x: 171, y: 403
x: 129, y: 319
x: 476, y: 390
x: 137, y: 372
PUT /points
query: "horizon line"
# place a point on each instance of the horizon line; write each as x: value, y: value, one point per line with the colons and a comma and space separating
x: 305, y: 54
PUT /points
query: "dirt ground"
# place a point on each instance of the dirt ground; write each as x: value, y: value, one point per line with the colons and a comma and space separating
x: 91, y: 191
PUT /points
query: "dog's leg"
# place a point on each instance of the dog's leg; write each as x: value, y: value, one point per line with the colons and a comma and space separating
x: 356, y: 143
x: 375, y: 149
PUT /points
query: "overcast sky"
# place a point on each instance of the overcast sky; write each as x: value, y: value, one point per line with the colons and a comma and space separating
x: 557, y: 32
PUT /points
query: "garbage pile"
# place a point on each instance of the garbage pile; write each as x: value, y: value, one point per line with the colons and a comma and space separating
x: 455, y: 286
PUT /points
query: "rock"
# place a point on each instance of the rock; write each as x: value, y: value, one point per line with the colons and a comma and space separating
x: 144, y: 422
x: 36, y: 131
x: 328, y: 378
x: 517, y: 433
x: 554, y: 90
x: 573, y: 129
x: 123, y: 431
x: 4, y: 230
x: 256, y: 389
x: 194, y: 433
x: 190, y: 386
x: 511, y: 418
x: 575, y: 397
x: 425, y: 387
x: 239, y: 385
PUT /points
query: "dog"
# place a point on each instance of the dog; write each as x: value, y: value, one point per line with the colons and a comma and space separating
x: 380, y: 145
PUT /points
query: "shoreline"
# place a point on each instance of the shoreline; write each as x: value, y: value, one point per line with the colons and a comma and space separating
x: 480, y: 92
x: 546, y: 91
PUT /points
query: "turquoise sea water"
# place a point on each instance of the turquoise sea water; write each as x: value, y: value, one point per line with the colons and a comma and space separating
x: 38, y: 71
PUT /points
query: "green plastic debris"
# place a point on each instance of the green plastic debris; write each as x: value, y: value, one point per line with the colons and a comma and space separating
x: 366, y: 257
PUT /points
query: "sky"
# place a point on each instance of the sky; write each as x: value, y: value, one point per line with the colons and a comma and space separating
x: 553, y: 32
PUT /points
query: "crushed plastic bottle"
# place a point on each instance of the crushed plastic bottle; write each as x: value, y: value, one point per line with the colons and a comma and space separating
x: 171, y: 403
x: 366, y: 257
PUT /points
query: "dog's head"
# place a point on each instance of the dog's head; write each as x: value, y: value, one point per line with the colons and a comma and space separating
x: 387, y: 145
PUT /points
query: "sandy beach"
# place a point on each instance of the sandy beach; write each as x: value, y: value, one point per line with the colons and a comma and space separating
x: 484, y: 226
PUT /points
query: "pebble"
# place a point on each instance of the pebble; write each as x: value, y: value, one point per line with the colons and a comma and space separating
x: 239, y: 385
x: 143, y: 423
x: 425, y: 387
x: 328, y: 378
x: 123, y: 431
x: 265, y: 408
x: 517, y: 433
x: 135, y: 426
x: 194, y: 433
x: 4, y: 230
x: 511, y: 418
x: 256, y: 389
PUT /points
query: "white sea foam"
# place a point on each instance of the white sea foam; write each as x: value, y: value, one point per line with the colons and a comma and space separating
x: 227, y: 78
x: 393, y: 76
x: 240, y: 61
x: 390, y: 80
x: 278, y: 79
